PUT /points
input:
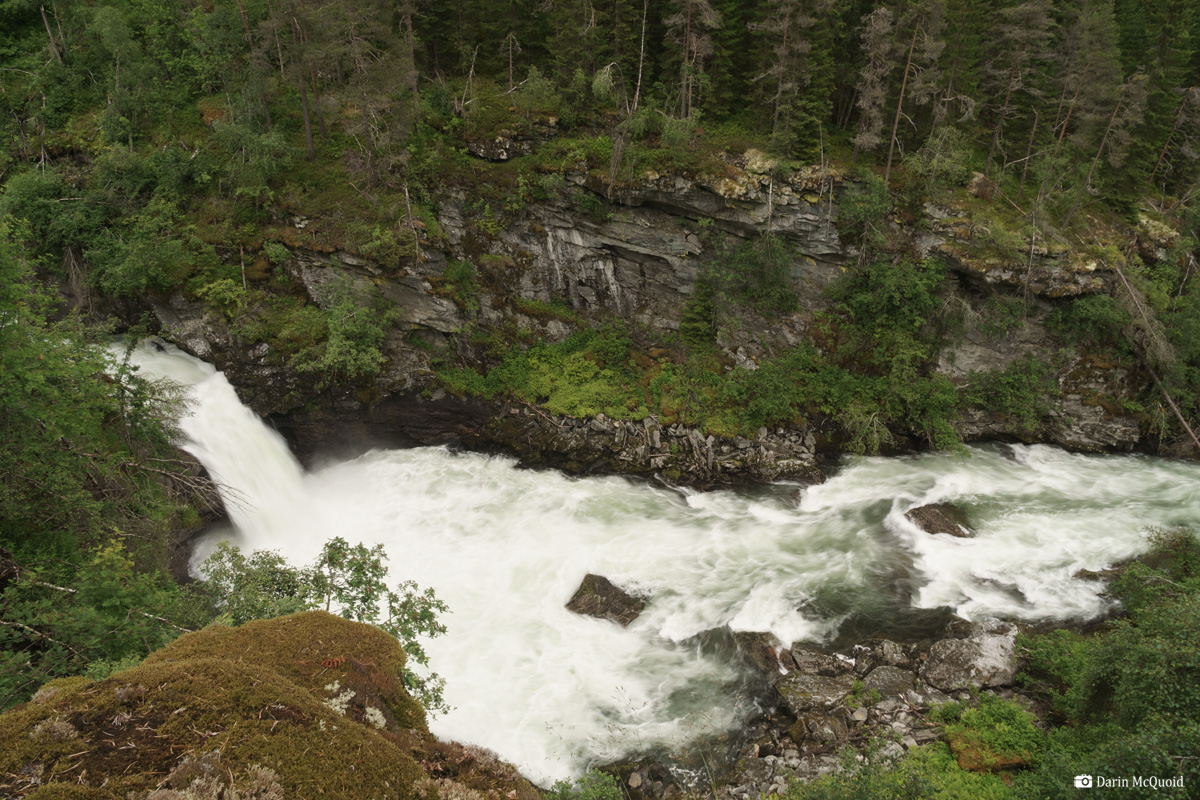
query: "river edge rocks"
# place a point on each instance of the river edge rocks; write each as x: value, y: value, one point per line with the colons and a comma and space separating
x: 818, y: 704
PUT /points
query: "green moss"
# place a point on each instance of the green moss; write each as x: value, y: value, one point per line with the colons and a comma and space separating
x: 260, y: 694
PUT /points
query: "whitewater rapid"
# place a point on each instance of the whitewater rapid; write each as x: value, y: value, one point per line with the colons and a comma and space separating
x: 505, y: 548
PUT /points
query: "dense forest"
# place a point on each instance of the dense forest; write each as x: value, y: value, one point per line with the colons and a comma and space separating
x: 156, y: 146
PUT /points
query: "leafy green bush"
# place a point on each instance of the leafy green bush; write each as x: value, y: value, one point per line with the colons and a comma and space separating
x: 1096, y: 320
x: 1020, y: 393
x: 1132, y: 691
x: 590, y: 786
x: 754, y: 272
x: 994, y: 734
x: 921, y: 774
x: 863, y: 210
x: 357, y: 328
x: 346, y: 579
x: 460, y: 280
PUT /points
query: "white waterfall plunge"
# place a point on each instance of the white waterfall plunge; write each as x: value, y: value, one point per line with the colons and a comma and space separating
x: 505, y: 548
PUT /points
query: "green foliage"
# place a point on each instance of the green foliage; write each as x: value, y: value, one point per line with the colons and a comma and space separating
x: 98, y: 615
x: 863, y: 211
x: 697, y: 323
x: 1020, y: 393
x: 357, y: 327
x: 922, y: 774
x: 144, y: 253
x: 1096, y: 320
x: 1131, y: 690
x: 460, y: 280
x: 995, y: 733
x: 540, y: 309
x: 943, y: 163
x: 349, y: 580
x: 390, y: 246
x: 756, y: 273
x: 592, y: 206
x: 589, y: 786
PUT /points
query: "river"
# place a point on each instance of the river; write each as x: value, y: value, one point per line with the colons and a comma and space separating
x: 506, y: 548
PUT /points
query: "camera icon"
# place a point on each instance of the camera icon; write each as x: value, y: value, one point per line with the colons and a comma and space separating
x: 1083, y: 781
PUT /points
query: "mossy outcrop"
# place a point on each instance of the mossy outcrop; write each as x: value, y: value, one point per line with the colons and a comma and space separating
x: 307, y: 705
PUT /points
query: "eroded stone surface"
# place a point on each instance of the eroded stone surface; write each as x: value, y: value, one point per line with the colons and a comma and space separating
x: 802, y: 693
x: 984, y: 659
x: 598, y: 597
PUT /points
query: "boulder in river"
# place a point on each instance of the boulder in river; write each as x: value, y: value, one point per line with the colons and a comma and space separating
x: 941, y: 518
x: 598, y: 597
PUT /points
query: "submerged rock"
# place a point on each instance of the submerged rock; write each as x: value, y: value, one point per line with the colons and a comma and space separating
x: 598, y: 597
x: 941, y: 518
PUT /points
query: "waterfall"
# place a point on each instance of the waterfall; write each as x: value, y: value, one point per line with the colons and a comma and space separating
x: 505, y: 548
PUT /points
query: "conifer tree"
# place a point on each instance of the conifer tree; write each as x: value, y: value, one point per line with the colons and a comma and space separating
x: 690, y: 36
x: 1022, y: 47
x: 799, y: 72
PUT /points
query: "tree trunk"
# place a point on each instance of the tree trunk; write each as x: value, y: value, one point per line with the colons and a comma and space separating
x: 1170, y: 136
x: 414, y: 80
x: 1071, y: 108
x: 1028, y: 156
x: 245, y: 23
x: 308, y: 135
x: 1092, y: 169
x: 782, y: 67
x: 637, y: 92
x: 317, y: 104
x: 887, y: 173
x: 1012, y: 79
x: 53, y: 44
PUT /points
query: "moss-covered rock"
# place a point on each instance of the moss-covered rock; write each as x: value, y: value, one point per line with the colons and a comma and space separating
x: 307, y: 705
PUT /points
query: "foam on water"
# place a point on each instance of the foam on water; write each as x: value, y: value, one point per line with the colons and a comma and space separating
x: 505, y: 548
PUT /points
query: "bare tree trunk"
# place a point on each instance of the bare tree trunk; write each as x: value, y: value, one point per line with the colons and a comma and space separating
x: 887, y: 173
x: 414, y: 80
x: 1092, y: 169
x: 372, y: 169
x: 637, y: 92
x: 317, y: 104
x: 782, y: 67
x: 308, y: 134
x: 1145, y: 356
x: 245, y: 23
x: 686, y: 90
x: 412, y: 226
x: 1170, y: 136
x: 262, y: 90
x: 1012, y: 79
x: 54, y: 48
x: 1071, y: 108
x: 1028, y: 156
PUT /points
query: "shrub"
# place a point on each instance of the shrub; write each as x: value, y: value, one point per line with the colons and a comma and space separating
x: 1096, y: 320
x: 993, y: 735
x: 590, y: 786
x: 460, y: 280
x: 1019, y: 392
x: 754, y: 272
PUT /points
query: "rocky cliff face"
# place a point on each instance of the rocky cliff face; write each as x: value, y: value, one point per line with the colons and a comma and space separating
x: 638, y: 256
